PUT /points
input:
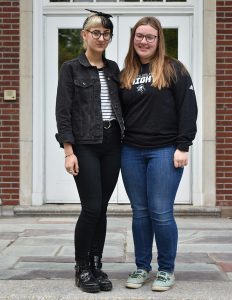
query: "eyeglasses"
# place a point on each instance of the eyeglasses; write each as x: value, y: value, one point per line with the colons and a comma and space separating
x: 96, y: 34
x: 150, y: 38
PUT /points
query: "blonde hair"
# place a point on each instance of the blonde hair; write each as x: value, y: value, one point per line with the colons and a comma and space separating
x: 161, y: 68
x: 95, y: 20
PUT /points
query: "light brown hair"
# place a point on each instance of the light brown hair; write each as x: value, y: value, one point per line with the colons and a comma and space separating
x: 161, y: 68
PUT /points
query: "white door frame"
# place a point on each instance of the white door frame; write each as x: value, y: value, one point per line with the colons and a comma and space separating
x: 59, y: 185
x: 38, y: 88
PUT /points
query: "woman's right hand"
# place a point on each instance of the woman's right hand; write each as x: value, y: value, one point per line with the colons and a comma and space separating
x: 71, y: 164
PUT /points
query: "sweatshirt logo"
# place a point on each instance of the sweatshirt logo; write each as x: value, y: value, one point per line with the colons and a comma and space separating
x: 140, y: 82
x: 141, y: 89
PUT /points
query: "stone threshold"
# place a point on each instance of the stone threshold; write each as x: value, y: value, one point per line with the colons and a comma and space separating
x: 113, y: 210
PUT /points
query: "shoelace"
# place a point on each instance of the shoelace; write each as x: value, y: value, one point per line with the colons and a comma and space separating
x: 137, y: 274
x: 163, y: 277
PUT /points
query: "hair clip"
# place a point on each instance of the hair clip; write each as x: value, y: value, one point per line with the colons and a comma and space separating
x: 100, y: 14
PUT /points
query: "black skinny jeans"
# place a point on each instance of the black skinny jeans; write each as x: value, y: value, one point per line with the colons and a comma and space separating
x: 99, y: 166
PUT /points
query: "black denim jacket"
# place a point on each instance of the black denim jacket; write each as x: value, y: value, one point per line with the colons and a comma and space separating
x: 78, y: 103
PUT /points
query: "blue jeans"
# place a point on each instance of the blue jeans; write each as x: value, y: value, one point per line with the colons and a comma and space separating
x: 151, y: 182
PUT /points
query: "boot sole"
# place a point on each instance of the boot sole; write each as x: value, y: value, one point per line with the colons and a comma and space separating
x: 89, y: 290
x: 106, y: 288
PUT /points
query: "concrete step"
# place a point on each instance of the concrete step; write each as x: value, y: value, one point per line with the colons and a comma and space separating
x: 65, y: 290
x: 113, y: 210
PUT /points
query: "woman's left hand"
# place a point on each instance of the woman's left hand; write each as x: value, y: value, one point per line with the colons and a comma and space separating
x: 180, y: 159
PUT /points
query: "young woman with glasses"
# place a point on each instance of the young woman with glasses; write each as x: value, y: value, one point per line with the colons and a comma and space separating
x: 90, y: 128
x: 159, y: 110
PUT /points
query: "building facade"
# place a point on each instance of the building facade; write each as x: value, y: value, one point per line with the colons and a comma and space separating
x: 35, y: 37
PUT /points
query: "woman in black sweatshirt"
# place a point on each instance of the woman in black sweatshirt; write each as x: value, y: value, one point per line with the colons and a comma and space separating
x: 160, y: 112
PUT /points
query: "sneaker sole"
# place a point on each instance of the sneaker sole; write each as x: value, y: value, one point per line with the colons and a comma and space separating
x: 161, y: 288
x: 133, y: 285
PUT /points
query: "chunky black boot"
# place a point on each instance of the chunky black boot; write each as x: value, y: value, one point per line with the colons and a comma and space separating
x: 103, y: 280
x: 84, y: 278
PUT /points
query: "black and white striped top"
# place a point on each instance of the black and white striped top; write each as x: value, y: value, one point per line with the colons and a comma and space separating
x: 107, y: 112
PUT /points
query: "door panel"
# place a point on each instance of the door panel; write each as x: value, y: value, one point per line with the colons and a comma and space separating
x: 59, y: 185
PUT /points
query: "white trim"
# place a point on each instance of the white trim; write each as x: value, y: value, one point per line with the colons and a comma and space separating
x: 38, y: 106
x: 118, y: 2
x: 119, y: 9
x: 197, y: 57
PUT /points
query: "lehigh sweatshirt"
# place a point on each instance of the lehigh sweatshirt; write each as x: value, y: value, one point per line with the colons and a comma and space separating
x: 156, y: 118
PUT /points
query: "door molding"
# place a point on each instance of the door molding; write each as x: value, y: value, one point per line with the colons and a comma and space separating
x: 133, y: 8
x: 38, y: 106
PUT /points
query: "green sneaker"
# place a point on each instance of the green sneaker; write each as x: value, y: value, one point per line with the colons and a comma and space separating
x: 137, y: 279
x: 163, y: 282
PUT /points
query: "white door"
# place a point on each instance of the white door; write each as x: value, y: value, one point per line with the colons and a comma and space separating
x: 59, y: 185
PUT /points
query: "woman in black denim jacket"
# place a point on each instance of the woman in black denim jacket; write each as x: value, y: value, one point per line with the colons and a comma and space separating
x: 90, y: 129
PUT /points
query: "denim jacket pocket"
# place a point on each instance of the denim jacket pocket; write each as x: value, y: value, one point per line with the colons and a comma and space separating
x: 84, y: 92
x: 83, y: 83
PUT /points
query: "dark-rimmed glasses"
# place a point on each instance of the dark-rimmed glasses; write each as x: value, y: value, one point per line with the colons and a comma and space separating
x: 96, y: 34
x: 150, y: 38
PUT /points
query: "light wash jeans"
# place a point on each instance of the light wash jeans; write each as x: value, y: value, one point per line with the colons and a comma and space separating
x: 151, y: 182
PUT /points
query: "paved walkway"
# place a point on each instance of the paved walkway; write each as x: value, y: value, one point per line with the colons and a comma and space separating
x: 36, y: 260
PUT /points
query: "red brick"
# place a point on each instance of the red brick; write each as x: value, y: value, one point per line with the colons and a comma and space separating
x: 10, y: 9
x: 14, y: 21
x: 10, y: 202
x: 224, y: 103
x: 220, y: 3
x: 9, y: 112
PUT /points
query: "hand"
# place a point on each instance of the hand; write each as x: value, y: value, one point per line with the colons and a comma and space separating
x: 71, y: 165
x: 180, y: 159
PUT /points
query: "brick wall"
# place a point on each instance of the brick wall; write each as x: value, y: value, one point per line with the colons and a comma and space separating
x: 9, y: 111
x: 224, y: 104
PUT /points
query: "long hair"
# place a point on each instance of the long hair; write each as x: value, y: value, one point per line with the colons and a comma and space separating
x: 96, y: 20
x: 161, y: 68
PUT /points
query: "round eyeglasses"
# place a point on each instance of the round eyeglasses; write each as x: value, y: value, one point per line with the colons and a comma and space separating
x: 96, y: 34
x: 150, y: 38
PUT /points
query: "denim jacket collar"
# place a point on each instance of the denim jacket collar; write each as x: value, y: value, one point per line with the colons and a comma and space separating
x: 84, y: 61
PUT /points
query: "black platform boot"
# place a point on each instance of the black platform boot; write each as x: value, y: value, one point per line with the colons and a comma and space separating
x: 84, y: 278
x: 103, y: 280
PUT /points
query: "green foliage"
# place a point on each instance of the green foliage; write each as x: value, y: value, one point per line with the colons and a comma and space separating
x: 171, y: 41
x: 70, y: 44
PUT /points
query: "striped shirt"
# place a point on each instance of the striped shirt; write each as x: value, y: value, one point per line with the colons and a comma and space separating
x: 107, y: 111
